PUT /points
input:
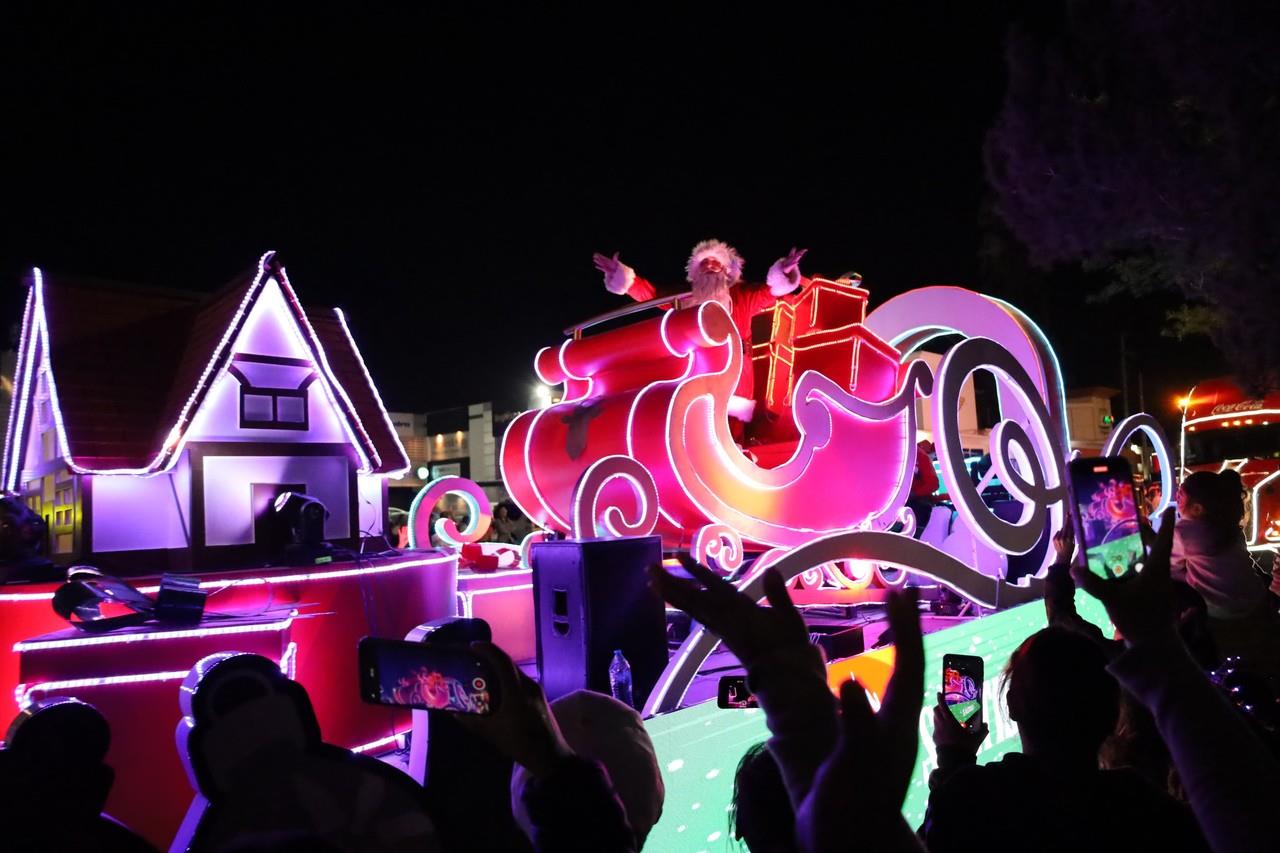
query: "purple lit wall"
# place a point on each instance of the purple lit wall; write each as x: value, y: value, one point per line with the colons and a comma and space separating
x: 228, y: 492
x: 121, y: 503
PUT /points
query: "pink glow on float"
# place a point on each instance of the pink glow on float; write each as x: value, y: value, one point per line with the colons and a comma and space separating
x: 154, y: 636
x: 25, y: 694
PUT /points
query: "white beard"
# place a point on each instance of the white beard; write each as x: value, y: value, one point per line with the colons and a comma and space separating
x: 712, y: 287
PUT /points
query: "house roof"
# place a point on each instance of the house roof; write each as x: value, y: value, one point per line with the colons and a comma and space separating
x: 131, y: 366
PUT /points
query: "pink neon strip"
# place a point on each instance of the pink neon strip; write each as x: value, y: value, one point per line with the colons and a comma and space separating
x: 474, y: 592
x: 27, y: 596
x: 23, y: 692
x: 259, y: 581
x: 320, y: 576
x: 503, y: 573
x: 397, y: 739
x: 114, y: 639
x: 342, y: 321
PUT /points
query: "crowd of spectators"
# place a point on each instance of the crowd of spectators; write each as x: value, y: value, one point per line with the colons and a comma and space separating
x: 1128, y: 742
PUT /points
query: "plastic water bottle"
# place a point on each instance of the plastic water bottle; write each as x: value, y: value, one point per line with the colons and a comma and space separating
x: 620, y: 678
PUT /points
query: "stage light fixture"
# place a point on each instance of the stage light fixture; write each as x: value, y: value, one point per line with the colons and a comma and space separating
x: 304, y: 517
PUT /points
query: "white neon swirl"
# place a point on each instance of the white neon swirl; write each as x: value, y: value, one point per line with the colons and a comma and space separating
x: 719, y: 543
x: 1145, y: 423
x: 1044, y: 494
x: 117, y: 639
x: 481, y: 513
x: 589, y: 521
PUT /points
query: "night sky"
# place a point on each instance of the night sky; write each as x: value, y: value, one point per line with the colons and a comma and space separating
x: 445, y: 177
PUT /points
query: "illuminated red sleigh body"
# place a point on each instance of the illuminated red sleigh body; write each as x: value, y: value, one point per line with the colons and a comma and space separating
x: 835, y: 411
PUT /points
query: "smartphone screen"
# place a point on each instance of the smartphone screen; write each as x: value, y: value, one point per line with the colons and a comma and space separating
x: 1105, y: 515
x: 733, y: 693
x: 434, y: 677
x: 962, y: 688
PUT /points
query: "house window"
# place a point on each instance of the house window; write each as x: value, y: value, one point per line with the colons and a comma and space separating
x: 273, y: 391
x: 64, y: 505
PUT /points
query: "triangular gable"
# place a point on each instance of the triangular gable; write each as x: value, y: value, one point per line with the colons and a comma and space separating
x: 205, y: 359
x: 20, y: 408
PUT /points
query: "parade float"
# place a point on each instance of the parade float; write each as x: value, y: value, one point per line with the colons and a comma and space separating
x: 160, y: 433
x: 1225, y: 427
x: 154, y: 431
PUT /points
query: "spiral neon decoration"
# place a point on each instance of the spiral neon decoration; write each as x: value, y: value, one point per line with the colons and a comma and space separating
x: 719, y: 544
x: 1143, y: 422
x: 477, y: 501
x: 1025, y: 454
x: 591, y: 520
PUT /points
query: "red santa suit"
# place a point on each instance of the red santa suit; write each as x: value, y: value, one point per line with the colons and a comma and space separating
x: 744, y: 301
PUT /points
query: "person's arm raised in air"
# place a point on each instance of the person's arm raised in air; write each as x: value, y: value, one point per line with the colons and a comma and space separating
x: 1060, y: 595
x: 570, y: 800
x: 874, y: 757
x: 1230, y: 777
x: 784, y: 669
x: 784, y: 275
x: 622, y: 279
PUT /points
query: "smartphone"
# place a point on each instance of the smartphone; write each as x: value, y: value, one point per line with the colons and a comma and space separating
x: 734, y: 693
x: 434, y: 677
x: 1105, y: 515
x: 962, y: 688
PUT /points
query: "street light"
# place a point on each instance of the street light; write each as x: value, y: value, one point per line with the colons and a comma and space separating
x: 542, y: 394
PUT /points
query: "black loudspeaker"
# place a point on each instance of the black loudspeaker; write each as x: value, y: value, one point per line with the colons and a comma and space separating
x: 592, y: 596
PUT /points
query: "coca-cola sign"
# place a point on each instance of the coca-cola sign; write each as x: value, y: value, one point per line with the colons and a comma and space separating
x: 1231, y: 408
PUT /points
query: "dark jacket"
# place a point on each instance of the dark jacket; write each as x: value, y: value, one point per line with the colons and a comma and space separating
x: 1018, y: 804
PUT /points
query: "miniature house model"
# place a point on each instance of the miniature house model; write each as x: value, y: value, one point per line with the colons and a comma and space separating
x: 154, y: 429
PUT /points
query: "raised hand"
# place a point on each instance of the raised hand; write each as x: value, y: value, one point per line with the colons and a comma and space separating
x: 1064, y: 544
x: 522, y: 725
x: 1141, y: 606
x: 880, y: 747
x: 790, y: 262
x: 606, y: 264
x: 748, y: 629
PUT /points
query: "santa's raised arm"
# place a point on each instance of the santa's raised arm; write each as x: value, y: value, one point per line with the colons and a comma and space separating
x: 714, y: 265
x: 714, y: 273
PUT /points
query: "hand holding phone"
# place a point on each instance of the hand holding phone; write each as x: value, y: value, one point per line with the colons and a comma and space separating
x: 523, y: 728
x: 1104, y: 513
x: 433, y: 677
x: 962, y: 677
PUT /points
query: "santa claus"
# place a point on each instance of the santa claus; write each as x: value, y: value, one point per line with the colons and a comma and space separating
x: 715, y: 273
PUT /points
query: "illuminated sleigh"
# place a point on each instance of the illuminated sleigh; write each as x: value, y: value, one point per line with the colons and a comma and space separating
x: 657, y: 392
x: 641, y: 442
